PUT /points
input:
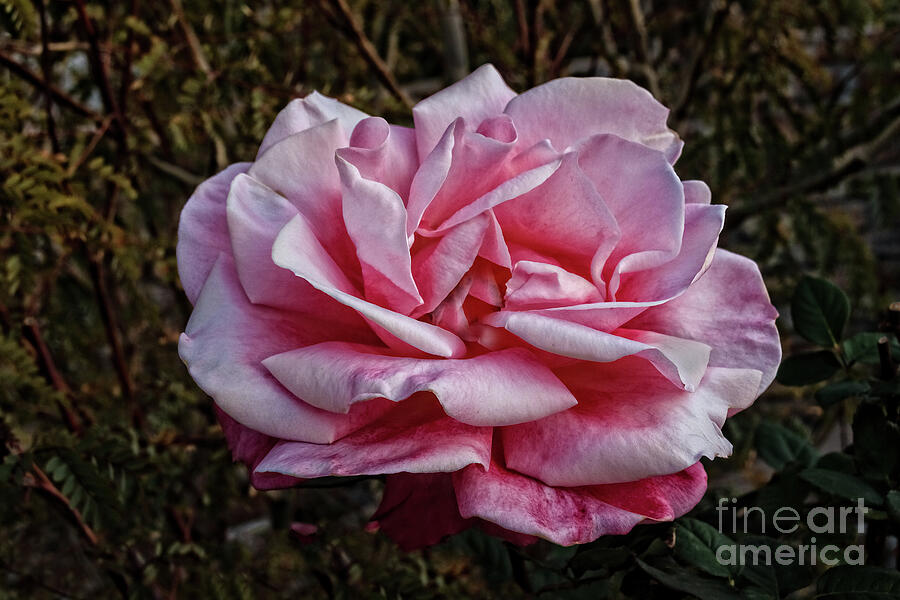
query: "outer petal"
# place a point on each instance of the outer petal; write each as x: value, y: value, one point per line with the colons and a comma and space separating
x: 481, y: 95
x: 419, y: 509
x: 741, y: 333
x: 303, y: 113
x: 570, y: 109
x: 203, y: 230
x: 249, y: 447
x: 418, y: 438
x: 497, y: 388
x: 681, y: 361
x: 297, y: 249
x: 629, y: 424
x: 223, y: 344
x: 578, y: 515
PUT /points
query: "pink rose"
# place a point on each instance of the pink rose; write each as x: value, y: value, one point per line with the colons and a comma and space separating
x: 516, y: 310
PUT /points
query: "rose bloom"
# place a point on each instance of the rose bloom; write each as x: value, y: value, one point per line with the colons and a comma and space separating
x: 515, y: 311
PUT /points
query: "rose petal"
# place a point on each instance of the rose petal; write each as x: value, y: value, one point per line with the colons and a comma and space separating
x: 576, y: 515
x: 250, y: 447
x: 304, y: 113
x: 203, y: 230
x: 420, y: 438
x: 629, y: 424
x: 644, y: 195
x: 383, y: 153
x: 570, y: 109
x: 296, y: 249
x: 696, y: 192
x: 702, y: 225
x: 479, y: 96
x: 728, y: 308
x: 223, y: 344
x: 376, y: 222
x: 539, y: 285
x: 681, y: 361
x: 497, y: 388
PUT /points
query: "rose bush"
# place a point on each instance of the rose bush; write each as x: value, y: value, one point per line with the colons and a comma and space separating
x: 515, y: 310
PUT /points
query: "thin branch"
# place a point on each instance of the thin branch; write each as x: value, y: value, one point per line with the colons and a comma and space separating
x: 193, y: 41
x: 370, y: 54
x: 38, y: 479
x: 642, y: 49
x: 61, y: 98
x: 690, y: 86
x: 47, y: 365
x: 47, y: 69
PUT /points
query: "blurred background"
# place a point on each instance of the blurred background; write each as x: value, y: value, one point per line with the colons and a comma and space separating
x: 115, y: 480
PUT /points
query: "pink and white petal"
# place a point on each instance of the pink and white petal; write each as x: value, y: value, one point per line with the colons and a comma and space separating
x: 375, y: 219
x: 681, y: 361
x: 494, y: 247
x: 630, y: 423
x: 301, y: 168
x: 304, y: 113
x: 255, y: 216
x: 570, y: 109
x: 481, y: 95
x: 249, y: 447
x: 415, y: 438
x: 728, y: 308
x: 203, y: 230
x: 498, y: 388
x: 702, y: 225
x: 223, y: 344
x: 297, y: 249
x: 439, y: 263
x: 565, y: 215
x: 578, y: 515
x: 384, y: 153
x: 644, y: 195
x: 536, y: 285
x: 696, y: 192
x: 419, y: 509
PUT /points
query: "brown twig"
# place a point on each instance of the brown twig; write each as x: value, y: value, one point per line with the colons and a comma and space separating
x: 696, y: 68
x: 888, y: 368
x: 38, y: 479
x: 61, y: 98
x: 47, y: 69
x: 642, y: 48
x: 46, y: 364
x: 370, y: 54
x: 193, y: 41
x: 126, y: 66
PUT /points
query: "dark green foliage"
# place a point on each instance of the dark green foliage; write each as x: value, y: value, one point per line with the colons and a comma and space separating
x: 114, y: 478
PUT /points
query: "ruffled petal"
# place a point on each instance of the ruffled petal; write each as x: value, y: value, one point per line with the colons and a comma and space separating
x: 575, y: 515
x: 644, y: 195
x: 376, y: 222
x: 223, y: 344
x: 297, y: 249
x: 630, y: 423
x: 728, y: 309
x: 384, y: 153
x: 419, y: 438
x: 570, y: 109
x: 250, y: 447
x: 203, y: 230
x: 481, y: 95
x: 539, y: 285
x: 702, y: 225
x: 681, y: 361
x: 304, y: 113
x: 497, y: 388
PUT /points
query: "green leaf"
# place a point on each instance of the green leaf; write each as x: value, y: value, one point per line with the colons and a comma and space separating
x: 820, y: 310
x: 842, y: 484
x: 700, y: 587
x: 779, y: 446
x: 811, y: 367
x: 863, y: 347
x: 696, y: 543
x: 858, y: 582
x: 841, y: 390
x: 892, y: 501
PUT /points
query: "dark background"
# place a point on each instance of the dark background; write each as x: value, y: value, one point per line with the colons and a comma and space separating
x: 115, y: 480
